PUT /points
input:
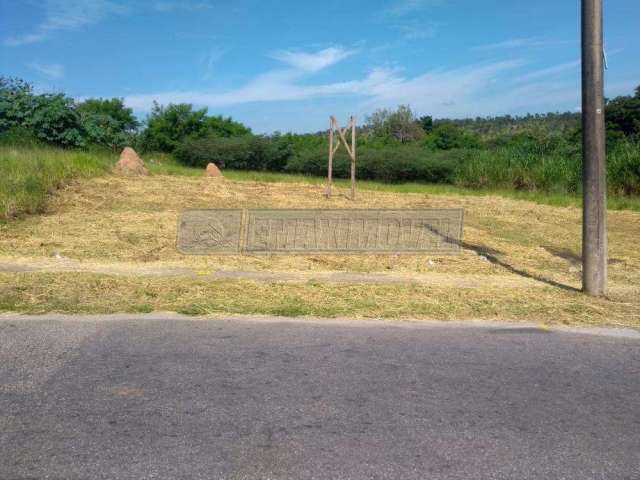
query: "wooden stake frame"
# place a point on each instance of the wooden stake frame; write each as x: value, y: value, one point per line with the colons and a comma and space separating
x: 334, y: 144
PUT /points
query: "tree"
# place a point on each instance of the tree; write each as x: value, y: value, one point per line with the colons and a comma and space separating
x: 51, y: 118
x: 55, y: 120
x: 113, y: 108
x: 16, y: 102
x: 168, y: 126
x: 426, y: 123
x: 638, y: 91
x: 400, y: 125
x: 447, y: 136
x: 623, y: 115
x: 224, y: 127
x: 107, y: 122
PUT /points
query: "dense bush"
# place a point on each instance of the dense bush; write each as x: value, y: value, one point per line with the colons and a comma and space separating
x: 623, y: 115
x: 56, y: 119
x: 51, y: 118
x: 447, y: 136
x: 19, y: 137
x: 534, y: 152
x: 198, y: 152
x: 388, y: 164
x: 247, y: 152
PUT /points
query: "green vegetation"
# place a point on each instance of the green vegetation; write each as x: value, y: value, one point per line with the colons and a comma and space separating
x: 36, y: 293
x: 535, y: 156
x: 27, y: 175
x: 168, y: 127
x: 56, y: 119
x: 543, y: 198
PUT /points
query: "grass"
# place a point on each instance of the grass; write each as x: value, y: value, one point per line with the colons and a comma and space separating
x: 88, y: 293
x: 128, y: 224
x: 29, y: 175
x: 543, y: 198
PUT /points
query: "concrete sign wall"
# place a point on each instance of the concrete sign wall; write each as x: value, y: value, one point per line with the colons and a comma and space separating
x: 313, y: 232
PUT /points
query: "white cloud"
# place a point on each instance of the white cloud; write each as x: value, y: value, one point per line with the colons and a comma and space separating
x: 440, y: 92
x: 54, y: 70
x: 513, y: 43
x: 550, y: 71
x: 312, y: 62
x: 474, y: 90
x: 62, y: 15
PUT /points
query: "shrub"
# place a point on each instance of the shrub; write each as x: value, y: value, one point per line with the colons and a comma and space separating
x: 19, y: 137
x: 55, y: 120
x: 248, y: 152
x: 51, y: 118
x: 224, y: 152
x: 105, y: 131
x: 388, y: 164
x: 447, y: 136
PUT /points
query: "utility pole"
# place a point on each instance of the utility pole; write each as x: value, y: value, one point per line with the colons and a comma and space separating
x: 594, y: 161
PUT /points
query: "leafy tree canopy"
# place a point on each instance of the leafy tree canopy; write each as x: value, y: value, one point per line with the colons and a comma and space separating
x: 623, y: 115
x: 399, y: 125
x: 169, y: 126
x: 113, y: 108
x: 51, y: 118
x: 426, y: 122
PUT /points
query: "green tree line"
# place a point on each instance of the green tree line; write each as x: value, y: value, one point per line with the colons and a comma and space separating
x: 533, y: 152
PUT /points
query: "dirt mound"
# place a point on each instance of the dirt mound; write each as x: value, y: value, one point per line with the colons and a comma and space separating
x: 213, y: 171
x: 130, y: 163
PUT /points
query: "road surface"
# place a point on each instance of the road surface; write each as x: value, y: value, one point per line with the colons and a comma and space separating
x: 165, y: 397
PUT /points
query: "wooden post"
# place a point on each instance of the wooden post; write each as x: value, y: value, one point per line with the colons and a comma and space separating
x: 334, y: 144
x: 330, y: 171
x: 353, y: 158
x: 594, y: 166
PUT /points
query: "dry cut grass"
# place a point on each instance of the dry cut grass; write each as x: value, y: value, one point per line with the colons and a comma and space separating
x: 132, y: 223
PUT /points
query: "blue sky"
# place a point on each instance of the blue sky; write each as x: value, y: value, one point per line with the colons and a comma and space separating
x: 287, y: 65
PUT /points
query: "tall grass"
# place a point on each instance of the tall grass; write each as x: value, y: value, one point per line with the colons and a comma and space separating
x: 552, y: 172
x: 28, y: 175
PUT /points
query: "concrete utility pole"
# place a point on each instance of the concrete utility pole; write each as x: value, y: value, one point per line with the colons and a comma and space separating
x: 594, y: 167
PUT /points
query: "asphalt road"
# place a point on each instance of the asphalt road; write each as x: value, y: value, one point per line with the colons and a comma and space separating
x: 169, y: 398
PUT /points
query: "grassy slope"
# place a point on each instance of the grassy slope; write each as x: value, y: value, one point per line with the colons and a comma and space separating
x: 28, y: 175
x: 168, y: 167
x: 131, y: 223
